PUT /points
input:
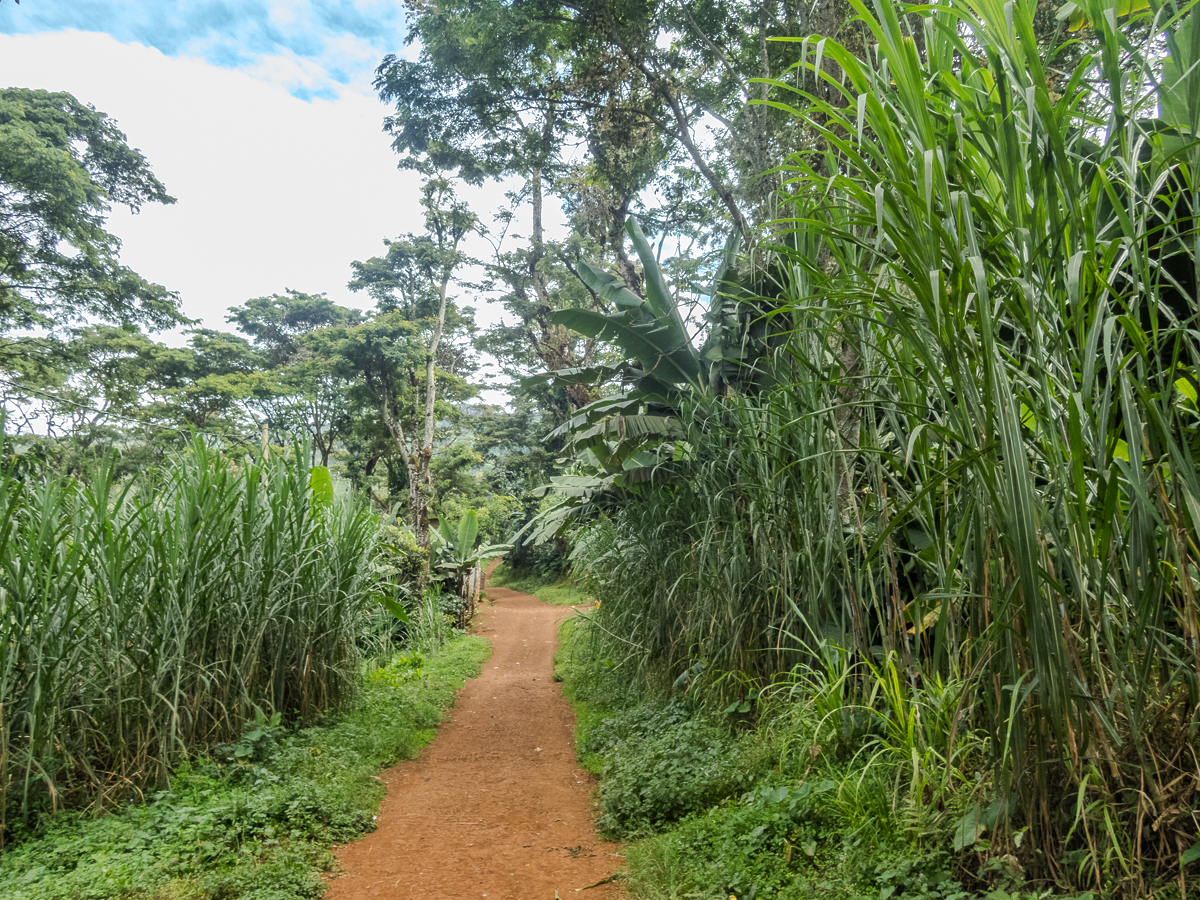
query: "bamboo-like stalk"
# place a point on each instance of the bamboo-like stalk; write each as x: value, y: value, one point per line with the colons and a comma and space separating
x: 1015, y: 270
x: 140, y: 625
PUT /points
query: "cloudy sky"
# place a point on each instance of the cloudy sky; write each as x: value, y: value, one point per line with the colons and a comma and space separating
x: 259, y: 117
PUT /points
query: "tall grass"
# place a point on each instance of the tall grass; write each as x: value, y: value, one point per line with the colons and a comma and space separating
x: 980, y: 462
x: 142, y: 623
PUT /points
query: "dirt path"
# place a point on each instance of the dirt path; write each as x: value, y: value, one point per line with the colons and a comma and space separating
x: 496, y: 806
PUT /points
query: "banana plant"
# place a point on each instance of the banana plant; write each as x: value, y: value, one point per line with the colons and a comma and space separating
x: 455, y: 549
x: 637, y: 436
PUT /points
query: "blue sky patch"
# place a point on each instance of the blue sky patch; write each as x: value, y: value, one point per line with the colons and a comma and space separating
x: 339, y: 40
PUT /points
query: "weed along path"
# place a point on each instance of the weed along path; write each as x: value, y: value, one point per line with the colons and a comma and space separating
x: 496, y: 806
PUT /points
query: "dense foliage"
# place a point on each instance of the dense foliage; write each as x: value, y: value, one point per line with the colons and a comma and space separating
x: 967, y: 484
x: 144, y: 622
x: 62, y: 165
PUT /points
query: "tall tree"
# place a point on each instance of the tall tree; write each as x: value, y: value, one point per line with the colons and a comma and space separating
x: 277, y: 323
x: 664, y: 90
x: 216, y: 391
x: 495, y: 93
x: 411, y: 287
x: 310, y: 396
x: 62, y: 166
x: 96, y: 392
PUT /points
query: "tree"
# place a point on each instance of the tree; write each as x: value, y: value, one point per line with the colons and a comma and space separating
x: 62, y: 165
x: 500, y: 88
x: 94, y: 396
x: 495, y: 93
x: 534, y: 341
x: 278, y: 323
x: 411, y: 286
x: 310, y: 397
x: 216, y: 390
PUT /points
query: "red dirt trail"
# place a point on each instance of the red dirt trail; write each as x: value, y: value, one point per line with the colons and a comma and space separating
x: 496, y: 807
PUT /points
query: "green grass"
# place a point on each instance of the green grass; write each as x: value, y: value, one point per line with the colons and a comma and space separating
x: 571, y: 664
x: 792, y: 800
x: 562, y: 592
x: 255, y: 820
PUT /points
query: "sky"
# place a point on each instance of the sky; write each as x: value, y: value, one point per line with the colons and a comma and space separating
x: 258, y: 116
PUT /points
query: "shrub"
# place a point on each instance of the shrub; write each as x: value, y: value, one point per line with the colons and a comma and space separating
x: 758, y: 846
x: 662, y: 765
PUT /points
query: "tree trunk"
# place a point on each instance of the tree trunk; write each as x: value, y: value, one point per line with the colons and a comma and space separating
x: 420, y: 482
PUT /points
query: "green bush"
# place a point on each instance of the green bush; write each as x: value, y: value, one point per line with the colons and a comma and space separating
x: 399, y: 560
x: 776, y: 841
x: 494, y: 510
x: 661, y: 765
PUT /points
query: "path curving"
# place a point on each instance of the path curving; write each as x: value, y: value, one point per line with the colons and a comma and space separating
x: 497, y: 806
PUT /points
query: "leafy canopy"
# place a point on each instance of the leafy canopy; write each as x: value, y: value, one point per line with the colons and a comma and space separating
x: 62, y: 165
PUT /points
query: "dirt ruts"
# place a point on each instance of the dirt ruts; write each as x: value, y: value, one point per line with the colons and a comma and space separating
x: 496, y: 807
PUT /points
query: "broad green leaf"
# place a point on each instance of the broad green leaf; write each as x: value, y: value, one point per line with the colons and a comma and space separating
x: 320, y: 482
x: 648, y: 346
x: 609, y: 286
x: 970, y: 828
x: 468, y: 528
x: 1076, y: 16
x: 1184, y: 386
x: 657, y: 294
x: 394, y: 608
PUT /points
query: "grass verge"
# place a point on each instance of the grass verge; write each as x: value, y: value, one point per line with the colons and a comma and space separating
x: 590, y: 710
x: 717, y: 803
x: 563, y: 592
x: 256, y: 819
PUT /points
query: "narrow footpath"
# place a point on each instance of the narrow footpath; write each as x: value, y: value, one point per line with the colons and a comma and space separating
x: 497, y: 806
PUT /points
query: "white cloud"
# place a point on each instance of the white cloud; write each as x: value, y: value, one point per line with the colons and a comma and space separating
x: 272, y: 191
x: 287, y: 12
x: 230, y: 35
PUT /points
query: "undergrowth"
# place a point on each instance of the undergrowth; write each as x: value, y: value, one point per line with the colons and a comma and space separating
x: 255, y: 819
x: 777, y: 796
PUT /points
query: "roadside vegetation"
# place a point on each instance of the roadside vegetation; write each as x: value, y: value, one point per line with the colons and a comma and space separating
x: 795, y: 795
x: 147, y: 619
x: 917, y: 562
x: 203, y: 668
x: 255, y: 817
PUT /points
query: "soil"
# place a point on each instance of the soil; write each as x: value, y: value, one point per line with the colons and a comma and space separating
x: 497, y: 806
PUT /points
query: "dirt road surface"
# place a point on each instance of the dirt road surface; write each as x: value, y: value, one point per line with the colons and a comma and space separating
x: 496, y: 807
